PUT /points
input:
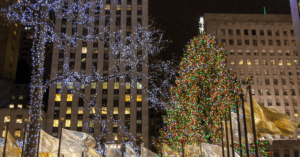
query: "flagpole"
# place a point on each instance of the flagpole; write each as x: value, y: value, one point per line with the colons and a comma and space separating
x: 231, y: 133
x: 249, y: 79
x: 4, y: 149
x: 227, y: 139
x: 223, y: 152
x: 245, y: 125
x: 239, y: 129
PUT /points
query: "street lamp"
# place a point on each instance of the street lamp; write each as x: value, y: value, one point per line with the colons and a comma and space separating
x: 61, y: 126
x: 24, y: 134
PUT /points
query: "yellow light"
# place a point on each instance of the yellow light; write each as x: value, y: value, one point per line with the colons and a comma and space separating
x: 19, y: 121
x: 289, y: 62
x: 82, y: 86
x: 6, y: 119
x: 127, y: 110
x: 116, y: 85
x: 241, y: 62
x: 84, y: 50
x: 116, y: 110
x: 79, y: 123
x: 104, y: 110
x: 57, y: 97
x: 55, y: 123
x: 80, y: 110
x: 296, y: 114
x: 93, y: 110
x: 68, y: 123
x: 139, y: 85
x: 127, y: 97
x: 104, y: 85
x: 16, y: 23
x: 20, y: 106
x: 69, y: 110
x: 3, y: 133
x: 107, y: 7
x: 127, y: 85
x: 280, y: 62
x: 69, y: 97
x: 94, y: 85
x: 118, y: 7
x: 12, y: 106
x: 95, y: 51
x: 115, y: 136
x: 17, y: 133
x: 248, y: 62
x: 139, y: 98
x: 115, y: 125
x: 128, y: 8
x: 92, y: 124
x: 58, y: 85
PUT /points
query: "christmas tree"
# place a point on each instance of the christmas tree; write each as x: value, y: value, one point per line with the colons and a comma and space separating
x: 204, y: 89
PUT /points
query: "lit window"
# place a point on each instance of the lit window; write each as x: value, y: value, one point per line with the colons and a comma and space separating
x: 296, y: 113
x: 70, y: 85
x: 95, y: 51
x: 104, y: 85
x: 139, y: 108
x: 58, y: 85
x: 93, y: 110
x: 296, y: 62
x: 272, y: 62
x: 127, y: 110
x: 139, y: 98
x: 84, y: 50
x: 3, y: 133
x: 241, y: 62
x: 92, y: 124
x: 118, y: 7
x: 57, y: 97
x: 139, y: 85
x: 55, y: 123
x: 116, y: 85
x: 94, y: 85
x: 115, y: 124
x: 20, y: 97
x: 20, y: 106
x: 115, y: 136
x: 288, y: 62
x: 107, y: 7
x: 13, y: 97
x: 69, y: 97
x: 138, y: 121
x: 68, y: 123
x: 69, y: 110
x: 104, y: 110
x: 248, y: 62
x: 80, y: 110
x: 12, y: 106
x: 79, y: 123
x: 256, y: 62
x: 127, y: 97
x: 17, y: 133
x: 6, y: 119
x: 19, y: 119
x: 116, y: 110
x: 127, y: 85
x: 280, y: 62
x: 82, y: 86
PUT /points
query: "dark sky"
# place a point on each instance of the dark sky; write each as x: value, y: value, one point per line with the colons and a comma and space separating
x: 179, y: 18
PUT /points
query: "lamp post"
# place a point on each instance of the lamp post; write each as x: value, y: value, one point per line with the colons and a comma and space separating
x: 239, y: 127
x: 24, y: 134
x: 6, y: 132
x: 231, y: 133
x: 249, y: 79
x: 61, y: 126
x: 245, y: 125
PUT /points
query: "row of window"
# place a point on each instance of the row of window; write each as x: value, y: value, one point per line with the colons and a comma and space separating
x: 275, y: 82
x: 266, y: 72
x: 286, y: 152
x: 253, y: 32
x: 264, y: 62
x: 268, y: 92
x: 18, y: 119
x: 254, y: 42
x: 264, y: 53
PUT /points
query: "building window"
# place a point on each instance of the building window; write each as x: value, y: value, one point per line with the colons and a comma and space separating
x: 127, y: 110
x: 55, y: 122
x: 246, y: 32
x: 276, y: 92
x: 277, y: 32
x: 293, y: 43
x: 268, y: 91
x: 19, y: 119
x: 270, y: 42
x: 262, y: 42
x: 286, y: 43
x: 222, y: 31
x: 223, y: 42
x: 69, y: 97
x: 267, y: 81
x: 260, y: 92
x: 127, y: 85
x: 116, y: 110
x: 277, y: 102
x: 6, y: 119
x: 68, y: 123
x: 296, y: 113
x: 280, y: 62
x: 116, y: 85
x: 266, y: 71
x: 20, y: 97
x: 269, y: 102
x: 104, y: 110
x: 259, y: 82
x: 57, y: 97
x: 241, y: 62
x: 254, y: 42
x: 17, y: 133
x: 79, y: 123
x: 11, y: 105
x: 242, y: 72
x: 269, y: 32
x: 13, y: 97
x: 294, y: 102
x: 261, y: 101
x: 248, y: 62
x: 285, y: 32
x: 275, y: 81
x: 231, y: 42
x: 214, y: 32
x: 127, y: 97
x: 272, y: 62
x: 258, y: 72
x: 80, y: 110
x: 239, y: 42
x: 247, y: 42
x: 139, y: 98
x: 293, y: 92
x: 284, y: 91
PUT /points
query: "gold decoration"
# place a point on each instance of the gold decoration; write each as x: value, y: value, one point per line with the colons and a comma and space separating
x: 168, y: 152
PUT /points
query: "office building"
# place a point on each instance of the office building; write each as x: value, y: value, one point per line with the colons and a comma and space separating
x: 262, y: 46
x: 114, y: 94
x: 295, y: 10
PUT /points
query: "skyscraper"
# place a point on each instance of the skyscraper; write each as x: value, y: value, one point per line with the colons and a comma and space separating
x: 295, y: 10
x: 262, y: 46
x: 118, y: 97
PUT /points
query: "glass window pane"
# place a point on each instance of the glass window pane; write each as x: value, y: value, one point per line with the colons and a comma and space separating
x: 127, y: 110
x: 84, y: 50
x: 69, y: 110
x: 69, y: 97
x: 68, y: 123
x: 80, y: 110
x: 127, y: 97
x: 93, y: 110
x: 6, y: 119
x: 58, y: 85
x: 57, y: 97
x: 139, y: 85
x: 94, y: 85
x: 139, y: 98
x: 127, y: 85
x: 116, y: 110
x: 12, y: 106
x: 104, y: 85
x: 104, y: 110
x: 20, y: 106
x: 55, y: 123
x: 79, y: 123
x: 116, y: 85
x: 17, y: 133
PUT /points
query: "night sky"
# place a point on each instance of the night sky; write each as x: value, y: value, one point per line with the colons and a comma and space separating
x: 179, y: 18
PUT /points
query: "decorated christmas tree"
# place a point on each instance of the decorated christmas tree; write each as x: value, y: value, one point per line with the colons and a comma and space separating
x: 204, y: 90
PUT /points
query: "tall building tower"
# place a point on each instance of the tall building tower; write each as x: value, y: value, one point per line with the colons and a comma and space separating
x: 263, y: 46
x: 295, y: 10
x: 114, y: 94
